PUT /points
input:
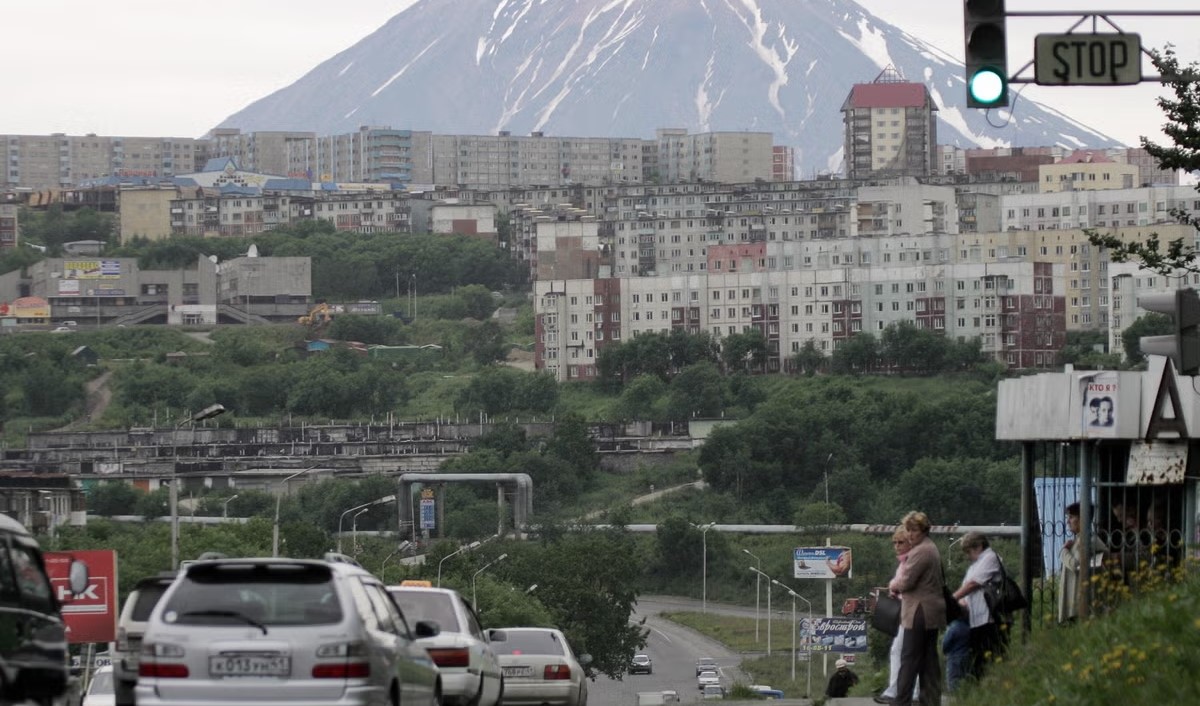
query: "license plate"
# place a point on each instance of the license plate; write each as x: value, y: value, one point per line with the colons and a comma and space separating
x: 518, y: 671
x: 249, y: 666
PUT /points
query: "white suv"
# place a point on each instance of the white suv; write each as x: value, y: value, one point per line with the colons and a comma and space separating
x: 471, y: 674
x: 130, y: 627
x: 283, y: 631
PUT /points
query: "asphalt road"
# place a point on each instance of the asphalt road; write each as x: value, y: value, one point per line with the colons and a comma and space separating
x: 674, y: 650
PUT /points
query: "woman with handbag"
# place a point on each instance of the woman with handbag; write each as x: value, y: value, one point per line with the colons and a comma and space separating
x: 901, y: 545
x: 983, y: 640
x: 922, y: 614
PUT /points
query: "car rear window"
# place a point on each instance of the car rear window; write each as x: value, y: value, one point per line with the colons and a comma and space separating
x: 427, y: 605
x: 268, y: 594
x: 147, y: 598
x: 529, y: 642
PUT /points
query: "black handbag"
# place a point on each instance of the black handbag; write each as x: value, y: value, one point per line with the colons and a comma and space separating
x: 886, y: 615
x: 954, y: 609
x: 1003, y: 595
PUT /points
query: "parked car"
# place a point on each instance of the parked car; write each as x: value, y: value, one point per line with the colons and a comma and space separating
x: 131, y: 625
x: 541, y: 668
x: 708, y: 679
x: 283, y: 631
x: 100, y: 689
x: 471, y: 674
x: 641, y: 664
x: 706, y: 664
x: 33, y: 649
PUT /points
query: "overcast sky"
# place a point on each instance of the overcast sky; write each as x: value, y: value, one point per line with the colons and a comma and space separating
x: 157, y: 68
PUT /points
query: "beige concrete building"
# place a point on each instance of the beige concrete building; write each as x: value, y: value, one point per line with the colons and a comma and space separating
x: 1087, y: 170
x: 61, y: 161
x: 890, y: 129
x: 145, y: 211
x: 724, y: 157
x: 534, y: 160
x: 8, y: 225
x: 375, y: 154
x: 286, y: 154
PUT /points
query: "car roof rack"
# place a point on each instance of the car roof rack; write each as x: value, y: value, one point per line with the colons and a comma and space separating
x: 337, y: 558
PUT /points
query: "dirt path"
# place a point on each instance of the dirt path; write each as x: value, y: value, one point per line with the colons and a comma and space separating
x: 98, y: 398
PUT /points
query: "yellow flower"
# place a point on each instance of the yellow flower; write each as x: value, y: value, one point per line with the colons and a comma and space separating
x: 1067, y: 667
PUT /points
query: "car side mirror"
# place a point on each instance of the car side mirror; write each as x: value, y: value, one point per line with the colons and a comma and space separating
x: 497, y: 636
x: 426, y: 628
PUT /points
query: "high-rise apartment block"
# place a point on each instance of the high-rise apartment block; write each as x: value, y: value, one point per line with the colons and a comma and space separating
x: 890, y: 128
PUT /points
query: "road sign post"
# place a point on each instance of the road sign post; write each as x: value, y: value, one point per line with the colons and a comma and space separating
x: 1088, y: 59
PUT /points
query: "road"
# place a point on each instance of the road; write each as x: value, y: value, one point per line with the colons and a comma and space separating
x: 674, y: 649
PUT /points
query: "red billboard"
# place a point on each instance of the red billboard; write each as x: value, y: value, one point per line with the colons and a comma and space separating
x: 91, y: 615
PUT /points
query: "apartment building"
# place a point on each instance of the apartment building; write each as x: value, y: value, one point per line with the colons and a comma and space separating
x: 1086, y: 170
x: 535, y: 160
x: 375, y: 154
x: 1110, y: 208
x: 279, y: 153
x: 8, y: 225
x: 1012, y: 308
x: 890, y: 128
x: 725, y: 157
x: 63, y: 161
x: 783, y: 163
x: 1129, y: 281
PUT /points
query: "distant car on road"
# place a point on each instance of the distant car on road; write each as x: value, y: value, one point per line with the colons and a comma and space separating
x: 713, y: 691
x: 641, y: 664
x: 541, y: 669
x: 708, y: 679
x: 706, y: 664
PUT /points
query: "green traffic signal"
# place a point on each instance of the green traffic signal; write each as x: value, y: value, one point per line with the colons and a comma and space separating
x: 988, y: 87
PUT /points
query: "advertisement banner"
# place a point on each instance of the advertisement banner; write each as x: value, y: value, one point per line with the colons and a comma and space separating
x: 68, y: 287
x: 91, y: 269
x: 427, y: 514
x: 833, y: 635
x: 91, y: 616
x: 822, y: 563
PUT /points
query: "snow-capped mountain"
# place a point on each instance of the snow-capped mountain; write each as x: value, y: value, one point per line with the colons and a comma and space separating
x: 622, y: 68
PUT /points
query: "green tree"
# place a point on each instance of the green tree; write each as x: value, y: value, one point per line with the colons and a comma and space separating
x: 108, y: 499
x: 856, y: 355
x: 810, y: 359
x: 1183, y: 115
x: 1150, y: 324
x: 744, y: 351
x: 477, y: 301
x: 640, y: 398
x: 485, y: 343
x: 697, y: 391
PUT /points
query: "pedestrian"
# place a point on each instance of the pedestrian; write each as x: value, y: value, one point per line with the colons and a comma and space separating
x: 983, y: 631
x: 1070, y: 560
x: 841, y: 681
x: 901, y: 545
x: 922, y: 615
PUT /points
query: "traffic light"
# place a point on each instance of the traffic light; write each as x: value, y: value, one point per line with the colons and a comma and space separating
x: 1182, y: 346
x: 986, y: 54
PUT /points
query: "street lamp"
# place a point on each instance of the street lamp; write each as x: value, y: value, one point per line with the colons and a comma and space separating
x: 474, y: 605
x: 794, y: 597
x: 385, y: 499
x: 399, y: 548
x: 827, y: 460
x: 757, y: 592
x: 173, y: 494
x: 460, y: 550
x: 278, y: 499
x: 769, y: 579
x: 704, y: 563
x: 354, y: 529
x: 225, y: 506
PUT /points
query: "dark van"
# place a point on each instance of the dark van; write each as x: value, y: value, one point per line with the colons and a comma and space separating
x: 33, y: 637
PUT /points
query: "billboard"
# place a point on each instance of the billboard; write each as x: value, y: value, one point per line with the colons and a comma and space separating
x: 90, y: 616
x: 91, y: 269
x: 833, y: 635
x: 822, y: 563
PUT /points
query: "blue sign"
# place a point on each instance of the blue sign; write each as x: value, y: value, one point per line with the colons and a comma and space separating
x: 822, y: 563
x: 833, y: 635
x: 427, y: 514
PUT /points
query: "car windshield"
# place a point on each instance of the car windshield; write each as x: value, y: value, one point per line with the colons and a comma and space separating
x: 529, y: 642
x: 102, y: 683
x: 261, y: 594
x: 641, y: 659
x: 428, y: 605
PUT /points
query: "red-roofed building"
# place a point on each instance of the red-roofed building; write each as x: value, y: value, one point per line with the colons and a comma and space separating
x: 891, y: 129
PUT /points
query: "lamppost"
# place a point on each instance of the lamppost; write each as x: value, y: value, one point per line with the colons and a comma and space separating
x: 225, y: 506
x: 354, y: 529
x: 704, y: 563
x: 757, y: 592
x: 769, y: 579
x: 399, y: 548
x: 460, y: 550
x: 173, y: 493
x: 475, y: 605
x: 807, y: 602
x: 385, y: 499
x: 827, y: 460
x: 278, y: 499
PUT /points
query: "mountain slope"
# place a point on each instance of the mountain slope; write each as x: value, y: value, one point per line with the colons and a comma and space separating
x: 622, y: 68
